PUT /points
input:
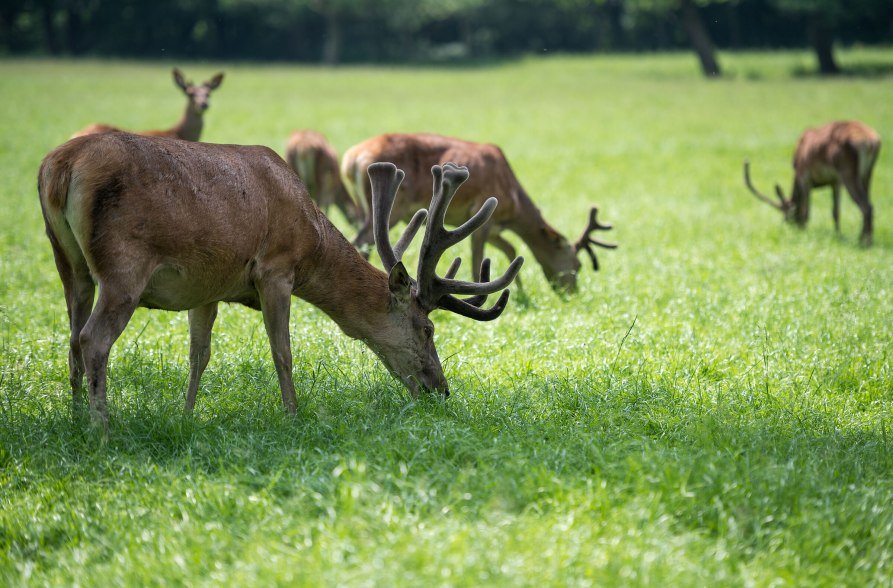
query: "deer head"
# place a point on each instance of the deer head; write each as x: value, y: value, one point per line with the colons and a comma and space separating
x: 787, y: 206
x: 408, y: 351
x: 565, y: 279
x: 199, y: 96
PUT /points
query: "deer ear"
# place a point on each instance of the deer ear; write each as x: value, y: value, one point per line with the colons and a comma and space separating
x: 215, y: 82
x: 179, y: 79
x: 400, y: 284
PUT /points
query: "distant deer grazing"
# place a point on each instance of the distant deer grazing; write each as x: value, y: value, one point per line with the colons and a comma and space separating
x: 490, y: 175
x: 316, y: 162
x: 833, y: 154
x: 176, y: 225
x: 189, y: 128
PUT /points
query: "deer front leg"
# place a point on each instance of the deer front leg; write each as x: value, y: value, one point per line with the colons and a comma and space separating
x: 275, y: 303
x: 835, y: 206
x: 478, y: 240
x: 113, y: 311
x: 201, y: 321
x: 365, y: 238
x: 508, y: 249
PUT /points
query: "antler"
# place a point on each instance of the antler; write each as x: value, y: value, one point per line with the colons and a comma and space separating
x: 759, y: 194
x: 386, y: 179
x: 437, y: 292
x: 586, y: 242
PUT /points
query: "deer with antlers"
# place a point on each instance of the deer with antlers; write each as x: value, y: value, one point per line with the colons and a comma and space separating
x: 491, y: 174
x: 176, y: 225
x: 316, y: 163
x: 189, y: 127
x: 837, y: 153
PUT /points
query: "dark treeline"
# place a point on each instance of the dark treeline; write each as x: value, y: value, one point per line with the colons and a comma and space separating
x: 333, y: 31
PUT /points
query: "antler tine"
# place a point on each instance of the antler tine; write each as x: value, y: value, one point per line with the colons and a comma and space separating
x: 437, y: 292
x: 385, y: 179
x: 756, y: 192
x: 447, y: 286
x: 586, y: 241
x: 467, y: 309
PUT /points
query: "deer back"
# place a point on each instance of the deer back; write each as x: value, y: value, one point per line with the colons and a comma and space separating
x: 200, y: 217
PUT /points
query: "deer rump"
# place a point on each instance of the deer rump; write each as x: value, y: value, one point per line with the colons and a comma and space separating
x: 179, y: 224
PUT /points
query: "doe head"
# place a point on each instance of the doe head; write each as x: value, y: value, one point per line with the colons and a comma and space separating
x: 199, y: 95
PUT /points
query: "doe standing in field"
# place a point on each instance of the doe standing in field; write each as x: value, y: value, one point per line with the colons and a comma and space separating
x: 491, y: 174
x: 176, y: 225
x: 316, y: 163
x: 189, y: 127
x: 842, y: 152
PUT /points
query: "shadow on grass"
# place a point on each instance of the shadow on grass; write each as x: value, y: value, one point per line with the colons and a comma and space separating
x: 855, y: 70
x: 637, y: 435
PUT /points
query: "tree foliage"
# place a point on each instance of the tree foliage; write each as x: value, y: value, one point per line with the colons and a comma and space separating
x: 418, y: 30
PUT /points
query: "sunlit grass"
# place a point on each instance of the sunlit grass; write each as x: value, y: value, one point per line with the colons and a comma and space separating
x: 713, y: 407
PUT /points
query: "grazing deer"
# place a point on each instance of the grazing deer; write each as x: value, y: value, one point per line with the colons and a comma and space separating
x: 837, y: 153
x: 189, y: 128
x: 316, y: 162
x: 176, y: 225
x: 491, y: 174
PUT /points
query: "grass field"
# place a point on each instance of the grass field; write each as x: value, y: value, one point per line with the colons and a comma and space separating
x: 714, y: 407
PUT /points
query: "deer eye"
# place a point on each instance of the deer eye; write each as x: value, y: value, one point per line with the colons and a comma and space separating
x: 429, y: 332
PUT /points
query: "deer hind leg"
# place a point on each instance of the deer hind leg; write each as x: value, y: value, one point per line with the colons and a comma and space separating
x: 118, y: 300
x: 79, y: 291
x: 275, y: 304
x: 201, y: 321
x: 860, y: 196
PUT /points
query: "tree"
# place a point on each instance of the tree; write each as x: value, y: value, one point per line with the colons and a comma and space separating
x: 823, y: 18
x: 687, y: 14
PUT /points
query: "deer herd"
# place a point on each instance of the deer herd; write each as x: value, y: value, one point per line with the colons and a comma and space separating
x: 160, y: 220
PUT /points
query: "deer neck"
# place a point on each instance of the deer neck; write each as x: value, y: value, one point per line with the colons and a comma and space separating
x: 341, y: 283
x: 190, y: 125
x: 549, y: 247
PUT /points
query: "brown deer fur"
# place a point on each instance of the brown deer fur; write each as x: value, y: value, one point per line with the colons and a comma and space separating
x: 491, y: 175
x: 316, y: 162
x: 189, y: 127
x: 177, y: 225
x: 842, y: 152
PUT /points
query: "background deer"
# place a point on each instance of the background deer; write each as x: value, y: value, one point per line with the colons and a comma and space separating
x: 177, y: 225
x: 189, y: 128
x: 316, y: 162
x: 837, y: 153
x: 491, y: 174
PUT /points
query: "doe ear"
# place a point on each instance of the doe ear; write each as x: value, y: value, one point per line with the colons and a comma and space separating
x: 400, y: 284
x: 215, y: 82
x: 179, y: 79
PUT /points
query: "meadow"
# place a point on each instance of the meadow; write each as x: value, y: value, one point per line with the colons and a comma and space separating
x: 714, y: 407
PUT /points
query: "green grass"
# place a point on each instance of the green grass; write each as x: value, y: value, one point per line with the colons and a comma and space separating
x: 714, y: 407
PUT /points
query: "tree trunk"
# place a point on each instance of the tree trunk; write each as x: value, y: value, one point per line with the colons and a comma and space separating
x: 823, y: 44
x: 700, y: 39
x: 331, y: 50
x: 49, y: 30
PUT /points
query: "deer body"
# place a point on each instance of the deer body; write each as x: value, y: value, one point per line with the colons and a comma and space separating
x: 316, y: 162
x: 169, y: 224
x: 491, y: 175
x: 189, y: 127
x: 837, y: 154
